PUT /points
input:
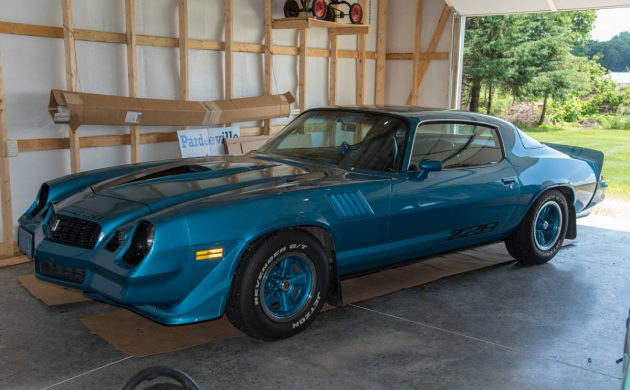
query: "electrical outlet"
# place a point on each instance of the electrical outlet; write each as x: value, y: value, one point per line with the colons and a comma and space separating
x: 12, y: 148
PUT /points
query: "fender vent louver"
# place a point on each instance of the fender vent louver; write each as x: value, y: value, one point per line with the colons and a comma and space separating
x: 350, y: 204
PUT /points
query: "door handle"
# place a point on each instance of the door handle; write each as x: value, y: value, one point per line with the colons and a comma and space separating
x: 508, y: 181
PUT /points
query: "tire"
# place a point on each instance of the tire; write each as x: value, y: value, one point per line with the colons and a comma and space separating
x: 539, y: 236
x: 319, y: 9
x: 356, y: 13
x: 291, y: 9
x: 331, y: 15
x: 279, y: 287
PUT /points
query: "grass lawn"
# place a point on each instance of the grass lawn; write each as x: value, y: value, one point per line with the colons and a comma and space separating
x: 614, y: 143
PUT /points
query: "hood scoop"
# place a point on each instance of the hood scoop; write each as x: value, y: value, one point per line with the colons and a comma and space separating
x: 179, y: 170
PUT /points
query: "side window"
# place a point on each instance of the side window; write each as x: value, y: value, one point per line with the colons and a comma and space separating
x: 456, y: 145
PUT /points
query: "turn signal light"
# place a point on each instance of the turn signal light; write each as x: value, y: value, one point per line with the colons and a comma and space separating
x: 215, y: 253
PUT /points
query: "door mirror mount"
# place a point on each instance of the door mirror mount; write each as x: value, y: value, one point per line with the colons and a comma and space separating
x: 425, y: 167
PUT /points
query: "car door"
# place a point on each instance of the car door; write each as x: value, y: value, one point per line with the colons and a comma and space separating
x: 470, y: 200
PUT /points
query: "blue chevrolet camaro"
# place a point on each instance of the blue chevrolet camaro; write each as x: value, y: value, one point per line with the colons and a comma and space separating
x: 266, y: 237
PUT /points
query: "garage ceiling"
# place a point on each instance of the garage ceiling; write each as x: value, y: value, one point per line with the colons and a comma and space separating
x: 494, y: 7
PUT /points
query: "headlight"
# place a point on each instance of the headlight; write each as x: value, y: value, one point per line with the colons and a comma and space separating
x: 141, y: 243
x: 42, y: 199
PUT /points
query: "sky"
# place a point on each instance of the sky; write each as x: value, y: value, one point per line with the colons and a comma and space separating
x: 610, y: 22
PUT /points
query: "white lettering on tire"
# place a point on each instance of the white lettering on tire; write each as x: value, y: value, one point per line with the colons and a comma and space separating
x: 308, y: 314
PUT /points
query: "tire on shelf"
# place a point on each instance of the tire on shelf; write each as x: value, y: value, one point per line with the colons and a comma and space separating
x: 279, y: 286
x: 320, y: 9
x: 539, y: 236
x: 291, y: 9
x: 356, y: 13
x: 331, y: 15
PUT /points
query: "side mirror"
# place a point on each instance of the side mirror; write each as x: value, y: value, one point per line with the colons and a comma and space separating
x: 430, y: 166
x: 425, y: 167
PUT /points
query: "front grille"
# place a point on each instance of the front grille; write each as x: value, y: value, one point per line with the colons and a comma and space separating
x: 58, y: 271
x: 73, y: 231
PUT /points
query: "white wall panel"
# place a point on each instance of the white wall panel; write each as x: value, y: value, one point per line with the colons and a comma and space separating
x: 32, y: 67
x: 205, y: 19
x: 44, y: 12
x: 346, y: 81
x: 206, y: 74
x: 158, y: 17
x: 97, y: 15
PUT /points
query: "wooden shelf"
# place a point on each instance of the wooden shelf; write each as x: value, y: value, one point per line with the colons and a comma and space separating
x: 306, y: 23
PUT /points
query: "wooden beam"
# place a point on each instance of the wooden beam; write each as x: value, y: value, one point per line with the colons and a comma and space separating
x: 455, y: 61
x: 303, y: 70
x: 157, y: 41
x: 381, y: 52
x: 97, y: 141
x: 182, y: 11
x: 416, y: 52
x: 301, y: 23
x: 71, y: 77
x: 6, y: 243
x: 435, y: 39
x: 360, y: 80
x: 442, y: 55
x: 229, y: 47
x: 332, y: 68
x: 268, y: 68
x: 132, y: 83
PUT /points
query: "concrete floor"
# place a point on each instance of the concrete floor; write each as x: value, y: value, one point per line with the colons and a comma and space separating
x: 556, y: 326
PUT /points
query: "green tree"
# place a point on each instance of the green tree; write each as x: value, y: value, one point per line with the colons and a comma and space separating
x: 565, y: 77
x: 511, y: 51
x: 488, y: 55
x: 613, y: 54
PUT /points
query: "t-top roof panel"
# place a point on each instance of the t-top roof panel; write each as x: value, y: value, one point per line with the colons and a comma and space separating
x: 496, y: 7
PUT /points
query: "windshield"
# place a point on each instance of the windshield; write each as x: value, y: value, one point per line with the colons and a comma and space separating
x: 349, y: 139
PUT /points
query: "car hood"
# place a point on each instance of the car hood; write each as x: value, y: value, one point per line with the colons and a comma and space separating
x: 172, y: 183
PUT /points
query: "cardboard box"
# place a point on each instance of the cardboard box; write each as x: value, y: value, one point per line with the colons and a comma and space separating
x: 78, y: 108
x: 243, y: 145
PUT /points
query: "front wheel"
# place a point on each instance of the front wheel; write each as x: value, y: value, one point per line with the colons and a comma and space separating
x: 320, y: 9
x: 540, y: 235
x: 279, y: 286
x: 356, y: 13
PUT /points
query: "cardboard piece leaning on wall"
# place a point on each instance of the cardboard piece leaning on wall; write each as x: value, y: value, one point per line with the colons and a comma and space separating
x: 242, y: 145
x: 78, y: 108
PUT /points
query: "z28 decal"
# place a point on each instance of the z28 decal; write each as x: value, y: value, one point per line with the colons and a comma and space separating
x: 472, y: 231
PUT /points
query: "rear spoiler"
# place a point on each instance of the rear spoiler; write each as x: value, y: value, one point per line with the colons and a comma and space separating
x: 595, y: 158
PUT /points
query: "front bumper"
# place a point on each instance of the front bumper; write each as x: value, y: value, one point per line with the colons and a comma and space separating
x: 168, y: 286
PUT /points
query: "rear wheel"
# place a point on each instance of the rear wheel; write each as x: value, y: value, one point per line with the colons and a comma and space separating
x: 291, y: 9
x: 279, y: 286
x: 540, y: 235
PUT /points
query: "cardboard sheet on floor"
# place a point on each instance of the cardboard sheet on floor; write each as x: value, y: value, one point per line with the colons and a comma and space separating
x: 13, y: 260
x: 50, y: 294
x: 138, y: 336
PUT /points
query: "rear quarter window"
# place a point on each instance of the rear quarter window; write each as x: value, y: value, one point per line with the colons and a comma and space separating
x: 527, y: 141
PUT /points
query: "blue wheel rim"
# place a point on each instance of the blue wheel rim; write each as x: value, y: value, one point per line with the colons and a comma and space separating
x: 287, y: 286
x: 548, y: 224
